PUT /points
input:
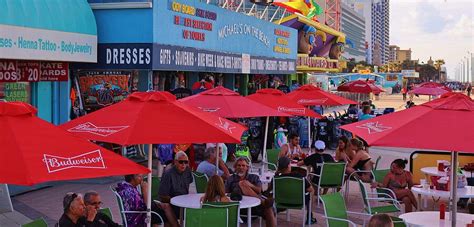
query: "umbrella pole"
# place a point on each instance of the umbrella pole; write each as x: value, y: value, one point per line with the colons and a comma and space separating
x: 264, y: 153
x: 217, y: 158
x: 148, y: 200
x: 454, y: 186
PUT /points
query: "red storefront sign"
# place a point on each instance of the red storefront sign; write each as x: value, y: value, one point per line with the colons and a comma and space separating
x: 33, y: 71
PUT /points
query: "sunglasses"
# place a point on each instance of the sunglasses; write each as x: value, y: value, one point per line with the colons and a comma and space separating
x: 183, y: 161
x: 72, y: 197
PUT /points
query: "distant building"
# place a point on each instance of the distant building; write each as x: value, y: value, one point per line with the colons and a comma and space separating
x: 353, y: 25
x: 398, y: 55
x: 431, y: 62
x: 377, y: 28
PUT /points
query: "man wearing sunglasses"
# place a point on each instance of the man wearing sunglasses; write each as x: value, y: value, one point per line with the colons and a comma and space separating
x: 74, y: 211
x: 176, y: 180
x: 93, y: 202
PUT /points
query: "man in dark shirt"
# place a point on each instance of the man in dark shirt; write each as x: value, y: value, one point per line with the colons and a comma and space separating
x: 284, y: 170
x: 176, y: 180
x: 74, y: 212
x: 92, y: 201
x: 244, y: 183
x: 316, y: 159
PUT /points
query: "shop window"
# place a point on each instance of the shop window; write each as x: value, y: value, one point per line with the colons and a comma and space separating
x: 19, y: 91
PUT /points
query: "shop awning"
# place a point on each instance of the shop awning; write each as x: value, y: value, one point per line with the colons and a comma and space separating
x: 52, y: 30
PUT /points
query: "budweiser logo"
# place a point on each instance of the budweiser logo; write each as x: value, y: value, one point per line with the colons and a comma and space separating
x: 313, y: 101
x: 209, y: 109
x: 225, y: 125
x: 89, y: 160
x: 101, y: 131
x: 291, y: 110
x: 374, y: 127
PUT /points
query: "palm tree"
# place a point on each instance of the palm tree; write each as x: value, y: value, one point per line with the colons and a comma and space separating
x: 438, y: 63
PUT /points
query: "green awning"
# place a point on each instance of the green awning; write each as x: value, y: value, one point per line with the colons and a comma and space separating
x: 49, y: 30
x: 60, y: 15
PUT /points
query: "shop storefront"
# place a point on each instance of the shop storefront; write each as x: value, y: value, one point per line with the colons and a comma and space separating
x: 177, y: 44
x: 38, y: 42
x: 36, y: 48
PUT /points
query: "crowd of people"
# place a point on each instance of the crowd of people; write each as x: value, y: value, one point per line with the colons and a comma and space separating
x: 226, y: 184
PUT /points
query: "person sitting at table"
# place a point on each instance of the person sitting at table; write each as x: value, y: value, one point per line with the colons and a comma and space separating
x: 292, y: 149
x: 134, y: 201
x: 284, y: 170
x: 244, y: 183
x: 92, y: 202
x: 344, y: 153
x: 400, y: 182
x: 316, y: 159
x: 74, y: 211
x: 366, y: 110
x: 208, y: 166
x: 215, y: 191
x: 361, y: 161
x: 176, y: 181
x: 380, y: 220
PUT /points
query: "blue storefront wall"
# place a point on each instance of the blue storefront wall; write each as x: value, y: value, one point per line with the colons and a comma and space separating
x: 205, y: 39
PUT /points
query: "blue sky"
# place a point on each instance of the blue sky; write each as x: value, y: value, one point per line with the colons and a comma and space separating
x: 442, y: 29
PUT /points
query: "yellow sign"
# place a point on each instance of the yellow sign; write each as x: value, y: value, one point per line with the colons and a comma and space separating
x: 316, y: 64
x: 364, y: 71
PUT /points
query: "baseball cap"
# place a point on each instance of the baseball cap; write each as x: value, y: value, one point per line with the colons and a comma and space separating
x: 319, y: 145
x: 283, y: 162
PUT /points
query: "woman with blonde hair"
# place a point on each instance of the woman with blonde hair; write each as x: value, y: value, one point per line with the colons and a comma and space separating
x: 344, y: 153
x: 361, y: 161
x: 215, y: 191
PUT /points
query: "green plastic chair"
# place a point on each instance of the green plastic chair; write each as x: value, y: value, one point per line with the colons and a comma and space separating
x: 107, y: 212
x: 374, y: 196
x: 36, y: 223
x: 155, y: 186
x: 289, y: 193
x: 380, y: 174
x: 272, y: 159
x: 200, y: 180
x: 232, y: 211
x: 331, y: 176
x: 335, y: 210
x: 124, y: 212
x: 206, y: 217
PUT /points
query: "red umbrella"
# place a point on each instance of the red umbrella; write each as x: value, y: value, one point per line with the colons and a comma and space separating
x: 359, y: 86
x: 309, y: 95
x: 430, y: 88
x: 277, y: 100
x: 229, y: 104
x: 154, y: 118
x: 35, y: 151
x: 438, y: 125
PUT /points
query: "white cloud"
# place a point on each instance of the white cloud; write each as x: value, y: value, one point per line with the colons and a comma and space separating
x: 436, y: 28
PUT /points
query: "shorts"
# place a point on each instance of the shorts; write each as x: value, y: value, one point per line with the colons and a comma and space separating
x: 161, y: 212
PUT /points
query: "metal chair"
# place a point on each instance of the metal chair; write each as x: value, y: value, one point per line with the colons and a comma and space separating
x: 289, y: 193
x: 123, y: 212
x: 331, y: 176
x: 206, y: 217
x: 200, y: 180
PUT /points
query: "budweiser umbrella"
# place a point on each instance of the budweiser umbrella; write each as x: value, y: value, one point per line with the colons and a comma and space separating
x: 430, y: 88
x: 276, y: 99
x: 35, y: 151
x: 226, y: 103
x: 438, y: 125
x: 309, y: 95
x: 359, y: 86
x: 229, y: 104
x: 153, y: 118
